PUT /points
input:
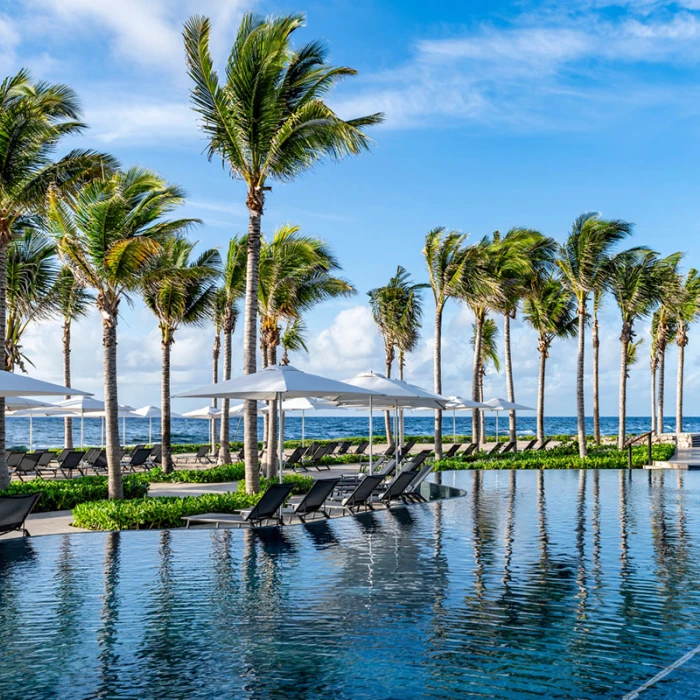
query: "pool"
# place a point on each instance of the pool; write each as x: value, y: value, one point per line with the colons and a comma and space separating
x: 559, y: 584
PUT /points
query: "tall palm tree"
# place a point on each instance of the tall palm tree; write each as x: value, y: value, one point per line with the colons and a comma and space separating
x: 73, y: 302
x: 524, y: 254
x: 31, y: 275
x: 489, y: 356
x: 108, y: 234
x: 179, y: 292
x: 217, y: 319
x: 267, y: 121
x: 444, y: 257
x: 599, y: 292
x: 34, y: 117
x: 232, y: 288
x: 664, y: 326
x: 296, y: 273
x: 688, y: 312
x: 293, y: 339
x: 634, y: 277
x: 582, y: 260
x: 394, y: 312
x: 653, y: 368
x: 551, y: 311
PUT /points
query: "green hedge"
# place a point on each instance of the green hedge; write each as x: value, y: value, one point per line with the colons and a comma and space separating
x: 168, y: 511
x: 565, y: 457
x: 68, y: 493
x: 213, y: 475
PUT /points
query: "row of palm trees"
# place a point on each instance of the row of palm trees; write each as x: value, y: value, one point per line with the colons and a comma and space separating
x: 111, y: 228
x: 559, y: 290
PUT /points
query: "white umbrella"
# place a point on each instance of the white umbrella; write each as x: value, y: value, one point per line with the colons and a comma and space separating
x: 206, y: 413
x: 94, y: 408
x: 503, y: 405
x: 12, y: 384
x: 19, y: 403
x: 152, y: 412
x: 396, y: 394
x: 37, y: 412
x: 275, y: 383
x: 304, y: 405
x: 457, y: 403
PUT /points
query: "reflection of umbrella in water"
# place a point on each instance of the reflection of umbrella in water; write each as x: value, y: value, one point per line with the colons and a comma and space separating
x: 503, y: 405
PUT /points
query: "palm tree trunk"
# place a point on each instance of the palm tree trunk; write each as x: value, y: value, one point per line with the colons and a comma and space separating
x: 681, y: 341
x: 580, y: 407
x: 387, y: 414
x: 4, y: 473
x: 512, y: 426
x: 622, y: 407
x: 109, y: 342
x: 216, y: 351
x: 225, y: 448
x: 540, y: 393
x: 250, y: 410
x: 652, y: 373
x: 476, y: 374
x: 596, y: 396
x: 67, y: 422
x: 166, y: 456
x: 482, y: 414
x: 437, y: 380
x: 660, y: 399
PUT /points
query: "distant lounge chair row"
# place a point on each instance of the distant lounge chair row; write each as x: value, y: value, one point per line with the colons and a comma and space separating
x: 498, y: 448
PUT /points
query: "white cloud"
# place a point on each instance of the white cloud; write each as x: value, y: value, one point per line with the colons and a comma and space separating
x: 9, y: 40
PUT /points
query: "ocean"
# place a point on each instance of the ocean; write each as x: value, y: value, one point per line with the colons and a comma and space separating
x: 48, y: 432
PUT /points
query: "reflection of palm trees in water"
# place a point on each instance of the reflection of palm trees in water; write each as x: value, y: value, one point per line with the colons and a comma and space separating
x: 595, y: 522
x: 107, y: 640
x: 581, y: 572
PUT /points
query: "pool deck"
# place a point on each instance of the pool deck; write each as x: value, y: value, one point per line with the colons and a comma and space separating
x: 685, y: 458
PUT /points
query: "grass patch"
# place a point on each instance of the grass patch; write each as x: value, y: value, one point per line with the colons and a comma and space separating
x: 564, y: 457
x: 69, y: 493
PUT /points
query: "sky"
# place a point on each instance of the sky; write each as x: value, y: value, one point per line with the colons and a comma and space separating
x: 498, y: 114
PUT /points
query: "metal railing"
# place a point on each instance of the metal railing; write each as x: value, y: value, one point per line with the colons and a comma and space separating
x: 637, y: 438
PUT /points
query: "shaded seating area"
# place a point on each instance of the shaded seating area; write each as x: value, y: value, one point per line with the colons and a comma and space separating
x: 14, y: 511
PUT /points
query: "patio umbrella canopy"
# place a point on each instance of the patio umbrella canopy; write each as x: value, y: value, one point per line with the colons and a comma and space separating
x: 12, y: 384
x: 152, y: 412
x: 457, y: 403
x: 43, y: 410
x: 305, y: 405
x: 19, y: 403
x: 206, y: 413
x: 279, y: 382
x: 503, y: 405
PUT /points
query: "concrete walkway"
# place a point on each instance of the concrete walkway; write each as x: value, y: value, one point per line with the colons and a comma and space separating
x: 685, y: 458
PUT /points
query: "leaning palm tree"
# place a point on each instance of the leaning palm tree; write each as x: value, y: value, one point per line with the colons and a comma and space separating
x: 664, y: 326
x: 293, y: 339
x: 108, y: 234
x: 489, y: 356
x: 551, y: 311
x: 73, y: 302
x: 296, y: 273
x: 267, y: 121
x: 31, y: 275
x: 389, y: 311
x: 687, y: 312
x: 179, y: 292
x: 232, y: 288
x: 653, y: 368
x: 634, y: 279
x: 444, y: 257
x: 34, y: 117
x: 582, y: 260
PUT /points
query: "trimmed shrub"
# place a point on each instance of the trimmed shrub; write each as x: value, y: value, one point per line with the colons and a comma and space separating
x: 213, y: 475
x: 68, y: 493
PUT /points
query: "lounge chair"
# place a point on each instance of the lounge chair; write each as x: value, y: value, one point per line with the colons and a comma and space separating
x: 314, y: 500
x: 344, y: 447
x: 452, y: 451
x: 413, y: 490
x: 202, y: 455
x: 386, y: 467
x: 14, y: 511
x: 543, y: 446
x: 71, y: 461
x: 397, y: 486
x: 529, y: 445
x: 508, y: 447
x: 14, y: 458
x: 154, y: 456
x: 469, y: 449
x: 494, y: 450
x: 138, y: 458
x: 361, y: 448
x: 294, y: 459
x: 321, y: 452
x: 27, y: 465
x: 267, y: 509
x: 417, y: 461
x: 97, y: 461
x: 360, y: 495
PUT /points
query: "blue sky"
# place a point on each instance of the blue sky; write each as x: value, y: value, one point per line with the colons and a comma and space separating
x: 498, y: 114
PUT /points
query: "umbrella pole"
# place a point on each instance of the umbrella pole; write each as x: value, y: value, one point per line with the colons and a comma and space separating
x: 102, y: 432
x: 82, y: 432
x: 150, y: 431
x: 370, y: 435
x: 124, y: 431
x: 31, y: 434
x: 454, y: 426
x: 496, y: 426
x: 280, y: 447
x: 302, y: 427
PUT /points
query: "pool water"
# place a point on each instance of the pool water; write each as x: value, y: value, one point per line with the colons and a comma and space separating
x: 558, y: 584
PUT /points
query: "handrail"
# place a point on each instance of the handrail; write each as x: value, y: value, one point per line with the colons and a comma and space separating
x: 633, y: 439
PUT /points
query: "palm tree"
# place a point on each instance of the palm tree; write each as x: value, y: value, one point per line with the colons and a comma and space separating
x: 444, y: 257
x: 33, y: 120
x: 267, y: 121
x: 73, y: 302
x: 31, y: 276
x: 582, y: 260
x: 179, y: 292
x: 394, y: 311
x: 489, y: 355
x: 663, y: 329
x: 524, y: 254
x: 232, y: 288
x: 293, y: 339
x: 653, y: 368
x: 633, y: 278
x: 551, y: 311
x: 217, y: 318
x: 687, y: 312
x: 108, y: 235
x: 296, y: 273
